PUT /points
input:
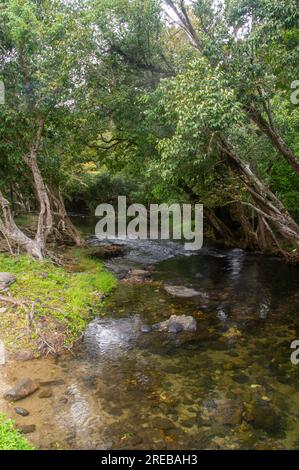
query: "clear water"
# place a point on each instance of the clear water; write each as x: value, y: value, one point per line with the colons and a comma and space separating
x: 230, y: 385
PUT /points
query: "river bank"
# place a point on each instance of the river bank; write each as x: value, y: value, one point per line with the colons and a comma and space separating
x: 47, y: 307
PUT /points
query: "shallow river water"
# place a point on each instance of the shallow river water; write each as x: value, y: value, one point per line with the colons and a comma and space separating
x: 229, y: 385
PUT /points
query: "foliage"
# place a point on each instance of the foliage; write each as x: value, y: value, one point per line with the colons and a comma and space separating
x: 11, y: 438
x: 136, y: 105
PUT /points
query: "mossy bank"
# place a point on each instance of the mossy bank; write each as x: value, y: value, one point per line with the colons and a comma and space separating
x: 47, y: 308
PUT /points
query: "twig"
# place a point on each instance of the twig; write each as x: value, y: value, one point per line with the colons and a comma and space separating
x: 30, y: 315
x: 14, y: 301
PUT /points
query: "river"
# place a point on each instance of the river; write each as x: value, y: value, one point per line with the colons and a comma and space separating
x: 229, y: 385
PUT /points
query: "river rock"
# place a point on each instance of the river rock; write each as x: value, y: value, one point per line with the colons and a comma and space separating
x: 162, y: 423
x: 261, y: 415
x: 177, y: 323
x: 26, y: 428
x: 6, y: 279
x: 145, y: 328
x: 175, y: 327
x: 21, y: 411
x: 181, y: 291
x: 222, y: 411
x: 21, y: 390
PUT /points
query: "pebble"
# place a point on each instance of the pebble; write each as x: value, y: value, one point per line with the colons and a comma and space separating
x: 21, y: 411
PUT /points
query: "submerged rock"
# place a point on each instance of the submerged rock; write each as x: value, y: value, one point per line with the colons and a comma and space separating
x: 222, y: 411
x: 27, y: 428
x: 181, y: 291
x: 6, y: 279
x: 177, y: 323
x: 21, y: 390
x: 162, y: 423
x: 261, y: 415
x: 46, y: 393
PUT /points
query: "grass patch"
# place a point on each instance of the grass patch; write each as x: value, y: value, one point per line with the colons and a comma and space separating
x: 11, y: 438
x: 63, y: 301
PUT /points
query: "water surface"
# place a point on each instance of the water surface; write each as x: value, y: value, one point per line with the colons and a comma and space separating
x: 230, y: 385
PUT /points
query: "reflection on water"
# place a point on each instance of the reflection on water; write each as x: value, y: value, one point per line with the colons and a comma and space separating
x: 230, y: 385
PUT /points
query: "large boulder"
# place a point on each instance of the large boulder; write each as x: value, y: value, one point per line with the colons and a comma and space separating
x: 177, y: 323
x: 6, y: 279
x: 21, y: 390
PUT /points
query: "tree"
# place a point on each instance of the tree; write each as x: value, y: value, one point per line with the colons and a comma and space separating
x: 40, y: 60
x: 208, y: 106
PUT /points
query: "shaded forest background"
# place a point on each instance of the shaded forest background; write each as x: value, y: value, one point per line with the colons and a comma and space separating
x: 162, y: 101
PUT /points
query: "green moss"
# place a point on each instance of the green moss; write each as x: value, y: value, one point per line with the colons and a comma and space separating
x: 10, y: 438
x: 62, y: 299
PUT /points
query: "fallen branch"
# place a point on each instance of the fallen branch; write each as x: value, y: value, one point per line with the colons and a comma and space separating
x: 14, y: 301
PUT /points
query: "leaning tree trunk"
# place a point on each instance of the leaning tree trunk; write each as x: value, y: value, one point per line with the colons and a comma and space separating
x: 277, y: 141
x: 62, y: 224
x: 273, y: 214
x: 219, y: 227
x: 13, y: 234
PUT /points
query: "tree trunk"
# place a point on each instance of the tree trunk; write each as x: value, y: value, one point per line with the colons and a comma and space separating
x: 45, y: 219
x: 61, y: 221
x: 13, y: 234
x: 274, y: 137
